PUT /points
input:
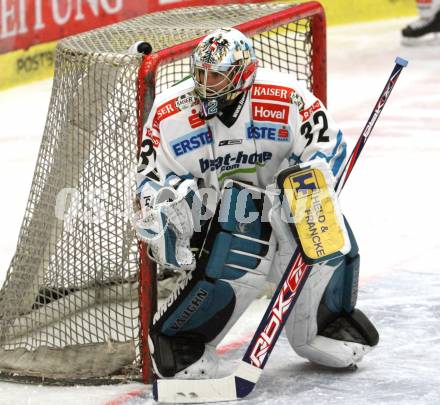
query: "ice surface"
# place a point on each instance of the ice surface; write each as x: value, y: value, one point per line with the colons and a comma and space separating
x: 391, y: 202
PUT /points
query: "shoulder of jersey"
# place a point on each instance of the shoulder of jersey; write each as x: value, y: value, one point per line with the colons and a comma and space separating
x: 273, y: 77
x: 279, y: 87
x: 181, y: 88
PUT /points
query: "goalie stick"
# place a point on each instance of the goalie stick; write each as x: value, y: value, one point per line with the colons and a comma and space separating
x: 243, y: 380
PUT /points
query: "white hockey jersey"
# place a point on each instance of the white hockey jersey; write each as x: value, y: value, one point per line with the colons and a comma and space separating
x: 280, y: 122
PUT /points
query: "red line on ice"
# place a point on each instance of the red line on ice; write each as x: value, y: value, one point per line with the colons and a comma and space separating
x: 235, y: 344
x: 125, y: 397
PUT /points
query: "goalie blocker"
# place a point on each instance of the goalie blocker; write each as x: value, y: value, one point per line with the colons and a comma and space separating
x: 237, y: 258
x: 311, y: 207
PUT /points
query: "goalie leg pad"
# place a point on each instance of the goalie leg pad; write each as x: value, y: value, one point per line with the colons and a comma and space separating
x: 324, y: 327
x: 209, y: 300
x: 342, y: 290
x: 343, y: 346
x: 337, y: 316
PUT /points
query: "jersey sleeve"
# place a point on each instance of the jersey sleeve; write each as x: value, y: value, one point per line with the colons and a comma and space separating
x: 157, y: 166
x: 316, y: 134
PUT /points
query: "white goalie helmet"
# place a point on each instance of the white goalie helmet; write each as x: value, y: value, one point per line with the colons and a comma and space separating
x: 223, y: 65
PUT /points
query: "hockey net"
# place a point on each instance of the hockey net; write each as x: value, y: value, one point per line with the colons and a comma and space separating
x: 79, y: 292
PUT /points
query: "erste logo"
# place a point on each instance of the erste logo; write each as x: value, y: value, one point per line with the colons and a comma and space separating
x: 194, y: 119
x: 189, y: 142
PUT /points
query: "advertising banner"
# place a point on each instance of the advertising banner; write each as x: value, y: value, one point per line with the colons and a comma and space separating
x: 24, y: 23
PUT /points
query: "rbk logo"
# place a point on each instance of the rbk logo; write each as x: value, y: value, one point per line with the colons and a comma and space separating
x: 278, y: 315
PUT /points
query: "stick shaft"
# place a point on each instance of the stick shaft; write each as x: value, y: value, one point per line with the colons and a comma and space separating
x: 298, y: 271
x: 400, y: 64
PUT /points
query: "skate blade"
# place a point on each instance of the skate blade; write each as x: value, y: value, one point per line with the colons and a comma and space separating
x: 432, y: 39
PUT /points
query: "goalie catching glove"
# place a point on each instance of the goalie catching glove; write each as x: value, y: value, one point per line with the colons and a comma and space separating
x: 166, y: 225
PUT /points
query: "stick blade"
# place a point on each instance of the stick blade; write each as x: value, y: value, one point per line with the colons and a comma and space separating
x: 195, y: 391
x: 229, y: 388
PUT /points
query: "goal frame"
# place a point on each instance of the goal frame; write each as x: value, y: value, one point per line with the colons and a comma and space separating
x: 146, y: 93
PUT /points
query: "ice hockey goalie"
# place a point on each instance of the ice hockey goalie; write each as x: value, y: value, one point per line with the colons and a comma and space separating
x: 212, y: 147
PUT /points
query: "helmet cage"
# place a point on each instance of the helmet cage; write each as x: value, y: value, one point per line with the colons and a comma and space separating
x: 223, y: 65
x: 229, y: 79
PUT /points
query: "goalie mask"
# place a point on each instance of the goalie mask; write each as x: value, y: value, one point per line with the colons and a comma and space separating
x: 223, y: 65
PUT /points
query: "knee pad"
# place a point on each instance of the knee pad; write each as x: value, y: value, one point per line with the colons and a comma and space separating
x: 207, y: 301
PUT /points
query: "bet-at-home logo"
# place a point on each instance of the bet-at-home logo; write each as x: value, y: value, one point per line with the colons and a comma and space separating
x: 230, y: 162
